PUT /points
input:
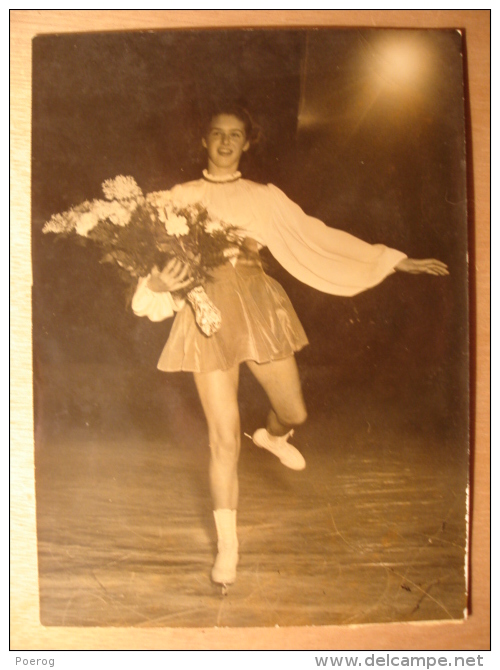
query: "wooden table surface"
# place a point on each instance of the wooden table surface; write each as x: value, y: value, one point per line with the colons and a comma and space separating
x: 26, y: 631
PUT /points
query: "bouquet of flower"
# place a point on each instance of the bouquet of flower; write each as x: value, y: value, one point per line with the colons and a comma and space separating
x: 138, y: 232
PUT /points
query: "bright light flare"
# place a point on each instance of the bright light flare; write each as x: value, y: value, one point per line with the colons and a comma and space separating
x: 388, y: 77
x: 399, y: 63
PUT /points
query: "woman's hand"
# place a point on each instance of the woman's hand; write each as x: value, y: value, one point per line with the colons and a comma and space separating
x: 173, y: 277
x: 429, y: 266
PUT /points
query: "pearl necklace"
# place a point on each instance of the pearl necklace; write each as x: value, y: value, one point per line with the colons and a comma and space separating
x: 221, y: 179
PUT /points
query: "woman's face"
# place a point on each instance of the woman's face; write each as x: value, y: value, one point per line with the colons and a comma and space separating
x: 225, y: 142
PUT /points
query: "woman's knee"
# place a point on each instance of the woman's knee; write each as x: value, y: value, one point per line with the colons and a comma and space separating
x: 294, y: 416
x: 225, y: 445
x: 300, y: 416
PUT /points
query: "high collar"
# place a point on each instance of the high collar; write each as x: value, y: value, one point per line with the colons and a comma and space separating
x: 221, y: 179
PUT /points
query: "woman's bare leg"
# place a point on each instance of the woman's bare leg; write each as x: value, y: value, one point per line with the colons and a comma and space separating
x: 218, y: 393
x: 280, y: 380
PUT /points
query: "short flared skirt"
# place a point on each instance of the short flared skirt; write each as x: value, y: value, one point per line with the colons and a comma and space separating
x: 258, y: 324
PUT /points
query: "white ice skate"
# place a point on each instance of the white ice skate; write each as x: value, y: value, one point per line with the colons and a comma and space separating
x: 224, y: 570
x: 279, y: 446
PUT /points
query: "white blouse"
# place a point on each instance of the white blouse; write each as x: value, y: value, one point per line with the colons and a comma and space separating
x: 324, y: 258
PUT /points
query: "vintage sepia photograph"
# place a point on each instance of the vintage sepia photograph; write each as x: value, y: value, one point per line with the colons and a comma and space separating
x: 250, y: 327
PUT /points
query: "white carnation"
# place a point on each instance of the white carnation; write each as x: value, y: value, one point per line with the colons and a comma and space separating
x: 121, y: 188
x: 176, y: 225
x: 159, y: 199
x: 86, y: 222
x: 117, y: 213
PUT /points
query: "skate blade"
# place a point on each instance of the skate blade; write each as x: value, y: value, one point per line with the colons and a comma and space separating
x: 224, y: 588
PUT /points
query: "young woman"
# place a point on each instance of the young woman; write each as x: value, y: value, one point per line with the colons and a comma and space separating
x: 259, y: 325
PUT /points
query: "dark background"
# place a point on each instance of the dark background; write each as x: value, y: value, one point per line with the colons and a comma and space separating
x: 358, y: 138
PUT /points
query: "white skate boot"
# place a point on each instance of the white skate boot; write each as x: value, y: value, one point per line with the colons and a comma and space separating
x: 224, y: 570
x: 279, y: 446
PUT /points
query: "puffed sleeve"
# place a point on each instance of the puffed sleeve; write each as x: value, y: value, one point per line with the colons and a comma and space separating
x: 157, y: 306
x: 327, y: 259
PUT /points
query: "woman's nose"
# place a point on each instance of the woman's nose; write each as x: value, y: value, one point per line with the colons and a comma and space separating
x: 225, y: 139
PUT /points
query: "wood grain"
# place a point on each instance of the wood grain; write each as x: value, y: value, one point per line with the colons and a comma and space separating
x: 26, y: 631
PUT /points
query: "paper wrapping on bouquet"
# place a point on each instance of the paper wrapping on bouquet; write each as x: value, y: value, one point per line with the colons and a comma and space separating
x: 207, y: 316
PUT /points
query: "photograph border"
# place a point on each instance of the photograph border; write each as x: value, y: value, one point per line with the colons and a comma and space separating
x: 26, y: 630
